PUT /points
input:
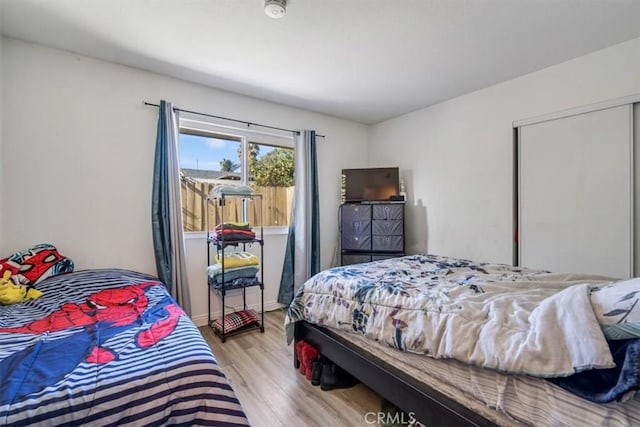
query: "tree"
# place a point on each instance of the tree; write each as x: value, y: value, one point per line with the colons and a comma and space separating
x: 254, y: 152
x: 227, y: 165
x: 274, y: 169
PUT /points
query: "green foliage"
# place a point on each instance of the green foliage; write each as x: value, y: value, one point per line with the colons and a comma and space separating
x: 254, y: 152
x: 274, y: 169
x: 227, y: 165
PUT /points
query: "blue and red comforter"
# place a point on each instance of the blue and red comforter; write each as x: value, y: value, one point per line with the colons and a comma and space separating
x: 108, y: 347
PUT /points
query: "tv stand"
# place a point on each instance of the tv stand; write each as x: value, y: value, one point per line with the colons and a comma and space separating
x: 371, y: 231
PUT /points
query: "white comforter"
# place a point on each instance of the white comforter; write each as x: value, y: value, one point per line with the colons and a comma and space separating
x: 493, y: 316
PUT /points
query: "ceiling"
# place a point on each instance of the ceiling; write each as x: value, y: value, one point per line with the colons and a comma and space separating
x: 362, y: 60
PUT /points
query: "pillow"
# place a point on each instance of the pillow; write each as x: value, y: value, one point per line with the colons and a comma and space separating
x: 617, y: 309
x: 35, y: 264
x: 236, y: 320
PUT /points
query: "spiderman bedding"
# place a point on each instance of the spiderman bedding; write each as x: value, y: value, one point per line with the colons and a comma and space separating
x: 108, y: 347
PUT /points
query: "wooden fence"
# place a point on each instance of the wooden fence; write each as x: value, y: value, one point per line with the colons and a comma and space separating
x: 276, y: 206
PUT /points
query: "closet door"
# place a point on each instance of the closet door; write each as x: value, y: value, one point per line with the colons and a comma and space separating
x: 575, y: 186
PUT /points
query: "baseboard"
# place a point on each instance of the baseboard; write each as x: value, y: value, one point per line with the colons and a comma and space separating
x: 202, y: 320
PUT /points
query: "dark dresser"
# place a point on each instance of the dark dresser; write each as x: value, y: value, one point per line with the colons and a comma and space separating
x: 371, y: 231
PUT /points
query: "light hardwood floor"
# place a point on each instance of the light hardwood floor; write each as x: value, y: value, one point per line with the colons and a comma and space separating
x: 272, y: 393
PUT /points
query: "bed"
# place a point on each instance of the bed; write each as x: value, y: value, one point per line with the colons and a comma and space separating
x: 507, y: 345
x: 108, y: 347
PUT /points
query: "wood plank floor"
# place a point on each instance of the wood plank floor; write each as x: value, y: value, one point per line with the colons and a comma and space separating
x: 272, y: 393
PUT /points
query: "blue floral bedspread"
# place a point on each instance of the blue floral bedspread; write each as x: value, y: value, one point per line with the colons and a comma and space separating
x: 494, y: 316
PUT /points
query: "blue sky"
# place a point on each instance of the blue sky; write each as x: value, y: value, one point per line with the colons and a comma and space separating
x: 204, y: 153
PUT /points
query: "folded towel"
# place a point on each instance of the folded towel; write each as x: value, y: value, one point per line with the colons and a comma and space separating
x: 237, y: 259
x: 234, y: 226
x: 240, y: 282
x: 230, y: 274
x: 232, y: 240
x: 231, y: 235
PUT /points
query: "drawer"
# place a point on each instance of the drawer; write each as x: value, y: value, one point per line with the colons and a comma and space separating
x: 387, y: 227
x: 355, y: 212
x: 390, y: 211
x: 384, y: 256
x: 356, y: 242
x: 356, y: 227
x: 387, y: 243
x: 355, y: 259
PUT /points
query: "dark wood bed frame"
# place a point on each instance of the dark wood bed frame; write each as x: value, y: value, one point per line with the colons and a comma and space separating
x: 428, y: 405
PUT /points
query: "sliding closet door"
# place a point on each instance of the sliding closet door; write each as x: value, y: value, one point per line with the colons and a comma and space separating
x: 575, y: 185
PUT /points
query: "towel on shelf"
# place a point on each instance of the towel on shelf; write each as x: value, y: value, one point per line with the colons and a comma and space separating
x: 237, y: 259
x: 233, y: 225
x: 227, y: 231
x: 227, y: 234
x: 215, y: 273
x: 240, y: 282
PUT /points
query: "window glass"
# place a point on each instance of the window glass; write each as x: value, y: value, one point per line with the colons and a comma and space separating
x: 208, y: 159
x: 271, y: 173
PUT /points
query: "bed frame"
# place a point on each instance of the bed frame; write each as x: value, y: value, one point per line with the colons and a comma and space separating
x: 428, y: 405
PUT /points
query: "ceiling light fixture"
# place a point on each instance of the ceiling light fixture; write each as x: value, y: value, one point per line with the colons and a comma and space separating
x: 275, y: 8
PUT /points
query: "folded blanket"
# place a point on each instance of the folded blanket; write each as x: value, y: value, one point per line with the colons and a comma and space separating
x: 230, y: 236
x: 230, y: 274
x: 237, y: 259
x: 227, y: 231
x: 232, y: 225
x: 240, y: 282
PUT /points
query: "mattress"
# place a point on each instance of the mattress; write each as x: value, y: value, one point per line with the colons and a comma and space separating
x: 108, y: 347
x: 507, y: 400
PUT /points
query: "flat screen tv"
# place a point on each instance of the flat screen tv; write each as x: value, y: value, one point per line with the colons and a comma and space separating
x: 370, y: 185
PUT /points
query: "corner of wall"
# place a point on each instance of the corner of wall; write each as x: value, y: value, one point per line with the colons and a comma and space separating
x: 369, y: 140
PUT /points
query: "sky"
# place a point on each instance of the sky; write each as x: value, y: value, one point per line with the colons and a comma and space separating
x: 204, y: 153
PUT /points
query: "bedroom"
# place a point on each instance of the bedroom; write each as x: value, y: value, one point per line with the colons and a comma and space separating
x: 77, y: 143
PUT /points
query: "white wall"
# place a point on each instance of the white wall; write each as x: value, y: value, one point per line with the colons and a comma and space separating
x: 78, y: 159
x: 457, y: 156
x: 1, y: 144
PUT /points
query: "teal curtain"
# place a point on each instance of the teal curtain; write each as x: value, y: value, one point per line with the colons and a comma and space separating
x: 302, y: 256
x: 166, y: 210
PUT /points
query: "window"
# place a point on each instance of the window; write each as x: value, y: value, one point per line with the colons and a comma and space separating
x: 209, y: 158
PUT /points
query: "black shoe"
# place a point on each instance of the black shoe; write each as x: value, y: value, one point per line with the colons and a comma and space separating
x: 316, y: 372
x: 334, y: 377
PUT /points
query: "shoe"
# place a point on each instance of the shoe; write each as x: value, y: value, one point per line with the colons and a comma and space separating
x: 299, y: 346
x: 309, y: 355
x: 316, y: 372
x: 334, y: 377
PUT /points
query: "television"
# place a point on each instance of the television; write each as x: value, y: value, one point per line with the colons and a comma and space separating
x: 370, y: 185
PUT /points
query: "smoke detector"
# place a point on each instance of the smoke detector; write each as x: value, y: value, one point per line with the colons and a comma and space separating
x: 275, y: 8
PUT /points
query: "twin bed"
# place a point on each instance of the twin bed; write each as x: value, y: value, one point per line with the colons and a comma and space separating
x: 508, y: 346
x: 108, y: 347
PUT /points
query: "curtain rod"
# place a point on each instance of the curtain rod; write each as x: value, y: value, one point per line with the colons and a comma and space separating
x: 232, y: 120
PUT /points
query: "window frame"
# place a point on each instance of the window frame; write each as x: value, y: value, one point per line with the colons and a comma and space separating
x: 245, y: 137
